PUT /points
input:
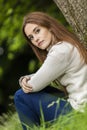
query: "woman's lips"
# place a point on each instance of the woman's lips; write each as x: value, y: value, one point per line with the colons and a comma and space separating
x: 40, y: 43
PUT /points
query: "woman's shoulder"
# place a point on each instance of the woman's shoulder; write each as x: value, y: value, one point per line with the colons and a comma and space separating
x: 62, y: 47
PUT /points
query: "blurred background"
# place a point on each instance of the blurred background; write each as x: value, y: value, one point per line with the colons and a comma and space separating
x: 16, y: 57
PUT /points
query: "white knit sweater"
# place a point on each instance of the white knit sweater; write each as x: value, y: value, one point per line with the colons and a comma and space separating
x: 64, y: 64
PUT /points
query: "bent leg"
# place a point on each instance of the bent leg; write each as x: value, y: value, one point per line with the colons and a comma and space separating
x: 29, y: 110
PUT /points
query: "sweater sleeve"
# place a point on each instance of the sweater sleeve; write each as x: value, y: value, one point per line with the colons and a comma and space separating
x: 54, y: 66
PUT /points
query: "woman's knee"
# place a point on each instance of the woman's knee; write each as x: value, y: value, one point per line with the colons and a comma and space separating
x: 17, y: 94
x: 21, y: 97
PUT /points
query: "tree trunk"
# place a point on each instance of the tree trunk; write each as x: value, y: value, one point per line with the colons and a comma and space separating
x: 75, y: 12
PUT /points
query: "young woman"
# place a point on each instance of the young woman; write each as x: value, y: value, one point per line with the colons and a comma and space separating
x: 64, y: 62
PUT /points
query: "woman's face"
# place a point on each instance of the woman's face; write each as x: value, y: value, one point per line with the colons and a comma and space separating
x: 39, y: 36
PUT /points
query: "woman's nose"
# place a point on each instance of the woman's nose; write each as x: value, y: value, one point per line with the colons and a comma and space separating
x: 36, y: 39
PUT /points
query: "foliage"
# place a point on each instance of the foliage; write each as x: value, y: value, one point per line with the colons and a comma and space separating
x: 12, y: 122
x: 72, y: 121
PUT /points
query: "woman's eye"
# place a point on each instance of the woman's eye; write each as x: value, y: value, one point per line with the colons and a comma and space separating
x: 37, y: 31
x: 30, y: 38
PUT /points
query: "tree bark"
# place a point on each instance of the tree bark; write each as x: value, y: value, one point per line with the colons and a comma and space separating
x: 75, y: 12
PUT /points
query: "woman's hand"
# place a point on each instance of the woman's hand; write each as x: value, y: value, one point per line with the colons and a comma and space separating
x: 24, y: 85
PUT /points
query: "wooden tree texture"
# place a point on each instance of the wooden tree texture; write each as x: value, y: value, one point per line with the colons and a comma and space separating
x: 75, y: 12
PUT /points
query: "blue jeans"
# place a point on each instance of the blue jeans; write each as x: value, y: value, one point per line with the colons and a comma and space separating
x: 29, y: 106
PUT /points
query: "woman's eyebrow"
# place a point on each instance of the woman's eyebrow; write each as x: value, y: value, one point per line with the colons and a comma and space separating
x: 35, y: 28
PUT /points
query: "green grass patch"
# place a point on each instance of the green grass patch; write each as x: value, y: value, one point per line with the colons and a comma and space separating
x: 10, y: 122
x: 71, y: 121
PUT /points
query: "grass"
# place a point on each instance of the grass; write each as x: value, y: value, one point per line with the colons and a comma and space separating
x: 10, y: 122
x: 72, y: 121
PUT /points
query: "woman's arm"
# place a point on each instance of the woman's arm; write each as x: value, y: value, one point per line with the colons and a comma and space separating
x: 27, y: 77
x: 23, y: 83
x: 54, y: 66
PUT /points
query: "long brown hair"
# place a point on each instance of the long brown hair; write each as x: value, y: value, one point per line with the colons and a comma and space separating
x: 59, y: 31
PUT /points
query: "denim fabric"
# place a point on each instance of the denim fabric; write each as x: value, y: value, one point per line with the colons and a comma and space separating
x: 49, y: 100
